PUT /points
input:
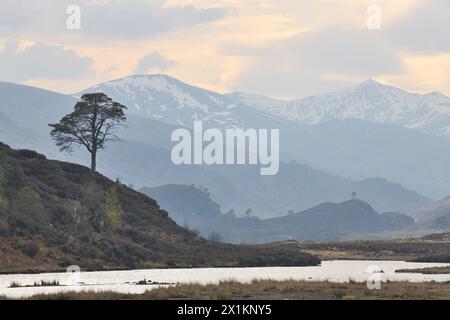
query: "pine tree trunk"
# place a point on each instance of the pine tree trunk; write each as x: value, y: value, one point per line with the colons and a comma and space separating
x: 93, y: 162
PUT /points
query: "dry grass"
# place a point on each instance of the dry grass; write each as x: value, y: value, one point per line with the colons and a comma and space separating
x: 434, y: 270
x: 420, y: 250
x: 274, y: 290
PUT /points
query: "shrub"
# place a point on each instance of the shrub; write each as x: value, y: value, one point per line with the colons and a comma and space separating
x: 14, y: 177
x: 29, y: 154
x: 15, y: 285
x: 4, y: 202
x: 30, y: 250
x: 4, y: 227
x: 27, y: 211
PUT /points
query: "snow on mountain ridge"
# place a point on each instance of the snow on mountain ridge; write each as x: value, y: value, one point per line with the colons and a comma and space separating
x: 130, y: 86
x: 370, y: 101
x: 167, y: 99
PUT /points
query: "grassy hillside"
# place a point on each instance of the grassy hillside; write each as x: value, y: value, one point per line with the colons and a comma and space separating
x: 55, y: 214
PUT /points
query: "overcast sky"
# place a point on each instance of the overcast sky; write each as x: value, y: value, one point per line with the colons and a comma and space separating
x: 280, y: 48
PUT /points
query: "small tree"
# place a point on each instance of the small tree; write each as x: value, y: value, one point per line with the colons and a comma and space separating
x: 92, y: 124
x: 113, y: 206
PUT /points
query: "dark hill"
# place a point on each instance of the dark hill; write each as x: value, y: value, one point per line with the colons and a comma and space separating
x: 333, y: 221
x: 55, y: 214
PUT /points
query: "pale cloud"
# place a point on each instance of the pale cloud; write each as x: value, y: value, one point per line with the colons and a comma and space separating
x: 152, y: 62
x: 425, y: 30
x: 424, y: 73
x: 110, y: 19
x: 40, y: 61
x: 134, y: 19
x: 317, y: 62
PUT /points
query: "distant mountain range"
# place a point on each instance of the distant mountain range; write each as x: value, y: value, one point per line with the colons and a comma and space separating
x: 194, y: 208
x: 165, y: 98
x: 370, y: 101
x: 321, y: 162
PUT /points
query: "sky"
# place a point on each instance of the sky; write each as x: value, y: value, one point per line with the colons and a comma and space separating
x: 279, y: 48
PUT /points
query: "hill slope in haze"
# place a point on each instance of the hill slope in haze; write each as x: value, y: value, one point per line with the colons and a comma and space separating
x: 431, y: 211
x: 334, y: 221
x: 299, y: 187
x: 192, y: 206
x: 55, y: 214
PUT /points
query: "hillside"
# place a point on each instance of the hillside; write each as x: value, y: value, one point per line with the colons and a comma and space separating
x: 431, y: 211
x: 54, y: 214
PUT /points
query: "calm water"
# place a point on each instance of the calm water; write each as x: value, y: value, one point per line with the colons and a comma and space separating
x: 122, y: 281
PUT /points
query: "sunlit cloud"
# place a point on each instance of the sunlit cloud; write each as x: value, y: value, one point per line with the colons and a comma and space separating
x: 424, y: 73
x: 283, y: 48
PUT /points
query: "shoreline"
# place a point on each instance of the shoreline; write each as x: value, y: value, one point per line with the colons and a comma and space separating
x: 343, y: 259
x: 267, y: 290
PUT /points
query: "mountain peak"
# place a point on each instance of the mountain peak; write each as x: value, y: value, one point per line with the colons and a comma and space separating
x: 370, y: 85
x: 141, y: 81
x: 437, y: 94
x: 370, y: 82
x: 167, y: 99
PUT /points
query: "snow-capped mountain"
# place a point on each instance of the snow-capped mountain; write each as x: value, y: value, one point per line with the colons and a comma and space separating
x: 370, y: 101
x: 169, y: 100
